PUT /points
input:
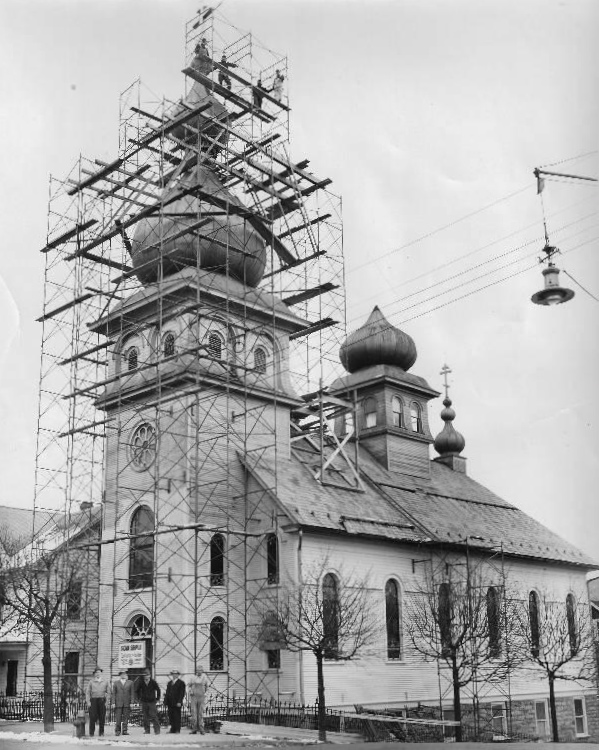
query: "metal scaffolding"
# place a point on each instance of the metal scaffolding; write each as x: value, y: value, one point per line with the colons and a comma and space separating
x: 162, y: 377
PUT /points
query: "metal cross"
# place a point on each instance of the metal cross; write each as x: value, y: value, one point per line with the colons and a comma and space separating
x: 445, y: 370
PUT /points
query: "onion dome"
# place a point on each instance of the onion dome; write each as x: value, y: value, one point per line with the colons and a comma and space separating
x: 448, y: 441
x: 377, y: 342
x: 204, y: 229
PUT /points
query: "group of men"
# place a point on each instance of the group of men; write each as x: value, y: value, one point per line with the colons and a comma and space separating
x: 146, y: 691
x: 202, y: 62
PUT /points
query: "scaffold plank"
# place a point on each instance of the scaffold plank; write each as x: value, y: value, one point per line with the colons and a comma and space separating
x: 294, y: 299
x: 68, y: 234
x: 306, y: 224
x: 145, y: 212
x: 228, y: 72
x: 86, y: 427
x: 62, y: 308
x: 87, y: 352
x: 236, y: 99
x: 324, y: 323
x: 141, y: 144
x: 102, y: 261
x: 297, y: 262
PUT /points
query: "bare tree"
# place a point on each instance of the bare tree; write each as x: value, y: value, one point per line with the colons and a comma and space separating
x: 35, y: 585
x: 557, y: 637
x: 327, y: 614
x: 460, y: 615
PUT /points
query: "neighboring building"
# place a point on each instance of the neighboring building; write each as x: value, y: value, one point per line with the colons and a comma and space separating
x: 72, y: 548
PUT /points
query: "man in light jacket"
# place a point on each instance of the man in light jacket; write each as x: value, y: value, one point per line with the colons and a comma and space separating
x: 96, y: 694
x: 122, y: 697
x: 197, y: 688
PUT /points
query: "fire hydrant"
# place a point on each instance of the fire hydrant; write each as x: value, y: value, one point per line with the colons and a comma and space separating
x: 79, y: 724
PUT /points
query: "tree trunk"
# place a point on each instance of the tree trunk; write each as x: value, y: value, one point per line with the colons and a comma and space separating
x: 322, y: 714
x: 457, y: 705
x: 552, y: 709
x: 48, y: 694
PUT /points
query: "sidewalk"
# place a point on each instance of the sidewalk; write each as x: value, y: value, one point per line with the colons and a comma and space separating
x: 235, y: 734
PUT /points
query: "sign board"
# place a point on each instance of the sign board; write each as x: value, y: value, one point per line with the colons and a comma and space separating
x: 132, y: 655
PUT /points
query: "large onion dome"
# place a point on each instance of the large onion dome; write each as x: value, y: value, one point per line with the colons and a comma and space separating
x: 377, y: 342
x: 218, y: 237
x: 449, y: 441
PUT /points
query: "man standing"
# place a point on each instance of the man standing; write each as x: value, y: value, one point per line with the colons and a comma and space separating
x: 197, y: 690
x: 96, y: 693
x: 122, y: 696
x: 148, y: 693
x: 173, y: 700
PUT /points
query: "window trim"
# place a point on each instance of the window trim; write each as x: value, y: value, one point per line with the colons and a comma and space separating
x: 416, y: 422
x: 534, y: 623
x: 217, y: 577
x: 136, y: 544
x: 399, y: 412
x: 168, y: 340
x: 260, y: 368
x: 502, y: 716
x: 370, y: 409
x: 214, y: 645
x: 583, y: 716
x: 132, y: 358
x: 389, y: 646
x: 544, y: 721
x: 213, y: 336
x: 330, y: 619
x: 272, y: 560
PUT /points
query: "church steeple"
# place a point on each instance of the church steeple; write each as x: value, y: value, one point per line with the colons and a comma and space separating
x: 449, y: 443
x: 391, y: 403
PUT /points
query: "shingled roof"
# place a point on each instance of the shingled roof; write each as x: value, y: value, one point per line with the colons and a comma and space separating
x: 443, y: 509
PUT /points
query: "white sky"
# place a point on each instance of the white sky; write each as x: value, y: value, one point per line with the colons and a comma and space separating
x: 423, y: 112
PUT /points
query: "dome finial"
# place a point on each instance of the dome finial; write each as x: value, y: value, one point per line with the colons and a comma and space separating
x: 449, y: 441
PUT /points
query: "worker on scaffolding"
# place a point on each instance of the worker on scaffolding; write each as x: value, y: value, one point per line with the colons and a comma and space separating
x: 277, y: 86
x: 257, y: 94
x: 202, y: 61
x: 223, y: 78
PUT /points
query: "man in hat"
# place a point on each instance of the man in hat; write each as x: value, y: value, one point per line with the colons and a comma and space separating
x: 198, y: 688
x: 96, y: 693
x: 147, y: 692
x: 173, y: 700
x: 122, y: 697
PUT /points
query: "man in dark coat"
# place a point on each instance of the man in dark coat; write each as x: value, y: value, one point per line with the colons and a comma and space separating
x: 173, y: 700
x: 122, y: 697
x: 148, y: 692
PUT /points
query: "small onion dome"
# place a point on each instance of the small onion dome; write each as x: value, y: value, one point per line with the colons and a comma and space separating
x: 448, y: 440
x: 377, y: 342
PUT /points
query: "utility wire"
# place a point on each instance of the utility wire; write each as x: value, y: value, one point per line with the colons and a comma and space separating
x: 569, y: 275
x: 439, y: 229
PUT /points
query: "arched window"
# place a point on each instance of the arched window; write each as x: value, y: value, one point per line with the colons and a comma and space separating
x: 140, y: 629
x: 533, y: 620
x: 348, y: 423
x: 215, y: 346
x: 397, y: 409
x: 260, y: 360
x: 217, y: 644
x: 217, y: 560
x: 141, y: 550
x: 370, y: 412
x: 393, y: 619
x: 272, y: 558
x: 572, y: 624
x: 132, y: 357
x: 494, y: 621
x: 416, y: 417
x: 444, y: 617
x: 168, y: 344
x: 330, y: 616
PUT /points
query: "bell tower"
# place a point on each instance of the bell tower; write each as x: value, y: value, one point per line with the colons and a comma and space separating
x: 390, y: 402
